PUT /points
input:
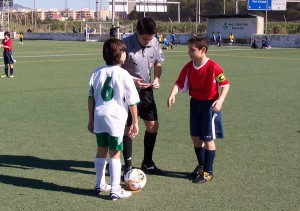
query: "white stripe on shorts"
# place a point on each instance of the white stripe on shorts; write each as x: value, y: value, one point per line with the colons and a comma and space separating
x: 213, y: 126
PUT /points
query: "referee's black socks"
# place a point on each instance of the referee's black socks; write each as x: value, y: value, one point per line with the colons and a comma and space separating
x: 149, y: 143
x: 127, y: 151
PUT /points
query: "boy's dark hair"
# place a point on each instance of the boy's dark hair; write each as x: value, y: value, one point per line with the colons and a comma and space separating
x: 7, y: 33
x: 112, y: 51
x: 147, y: 26
x: 199, y: 42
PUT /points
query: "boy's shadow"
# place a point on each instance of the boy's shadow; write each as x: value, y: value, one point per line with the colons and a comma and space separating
x: 31, y: 162
x: 42, y: 185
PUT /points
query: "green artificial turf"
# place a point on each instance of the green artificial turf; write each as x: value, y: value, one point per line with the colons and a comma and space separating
x: 47, y: 153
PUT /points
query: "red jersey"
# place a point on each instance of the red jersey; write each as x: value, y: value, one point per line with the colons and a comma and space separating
x: 8, y: 43
x: 202, y: 83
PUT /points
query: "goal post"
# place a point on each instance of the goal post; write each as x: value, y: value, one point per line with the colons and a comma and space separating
x: 99, y: 31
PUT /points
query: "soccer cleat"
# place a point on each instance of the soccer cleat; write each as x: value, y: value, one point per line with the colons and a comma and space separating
x: 207, y: 176
x: 203, y: 177
x: 103, y: 188
x: 198, y: 170
x: 125, y: 171
x: 152, y: 169
x: 120, y: 194
x: 11, y: 76
x: 4, y: 76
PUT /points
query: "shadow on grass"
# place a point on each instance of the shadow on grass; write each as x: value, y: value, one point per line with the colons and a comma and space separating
x: 42, y: 185
x: 172, y: 174
x: 30, y: 162
x: 175, y: 174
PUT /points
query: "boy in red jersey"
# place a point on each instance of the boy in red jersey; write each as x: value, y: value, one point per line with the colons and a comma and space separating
x: 7, y: 55
x: 203, y: 78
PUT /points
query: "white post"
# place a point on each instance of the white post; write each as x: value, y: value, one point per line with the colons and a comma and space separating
x: 34, y: 17
x: 266, y: 31
x: 196, y: 27
x: 144, y: 8
x: 284, y: 23
x: 113, y: 11
x: 97, y: 9
x: 179, y: 12
x: 199, y: 9
x: 32, y: 13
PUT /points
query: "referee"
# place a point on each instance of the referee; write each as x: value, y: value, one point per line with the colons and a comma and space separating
x: 144, y: 52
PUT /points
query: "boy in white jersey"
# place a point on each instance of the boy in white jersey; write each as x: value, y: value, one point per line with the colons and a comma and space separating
x: 112, y: 90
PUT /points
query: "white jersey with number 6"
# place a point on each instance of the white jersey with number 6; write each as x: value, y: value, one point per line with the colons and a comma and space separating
x: 113, y: 90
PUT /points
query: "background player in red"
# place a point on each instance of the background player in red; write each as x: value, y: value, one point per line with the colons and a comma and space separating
x: 7, y: 55
x: 203, y: 78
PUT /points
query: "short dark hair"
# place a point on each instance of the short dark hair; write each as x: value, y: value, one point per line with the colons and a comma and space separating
x: 7, y: 33
x: 112, y: 51
x: 199, y: 42
x: 146, y: 25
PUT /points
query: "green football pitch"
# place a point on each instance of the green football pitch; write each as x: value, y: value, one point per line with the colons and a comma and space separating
x: 47, y: 153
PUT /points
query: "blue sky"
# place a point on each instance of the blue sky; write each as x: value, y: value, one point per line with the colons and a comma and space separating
x: 59, y: 4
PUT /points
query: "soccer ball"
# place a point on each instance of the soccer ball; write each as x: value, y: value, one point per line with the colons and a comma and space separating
x: 135, y: 179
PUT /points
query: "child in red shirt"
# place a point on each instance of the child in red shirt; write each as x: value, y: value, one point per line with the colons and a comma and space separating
x: 203, y: 78
x: 7, y: 55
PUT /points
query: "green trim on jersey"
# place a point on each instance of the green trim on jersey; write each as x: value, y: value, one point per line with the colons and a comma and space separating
x: 106, y: 140
x: 134, y: 103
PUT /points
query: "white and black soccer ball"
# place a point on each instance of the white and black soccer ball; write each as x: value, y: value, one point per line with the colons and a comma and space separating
x: 135, y: 179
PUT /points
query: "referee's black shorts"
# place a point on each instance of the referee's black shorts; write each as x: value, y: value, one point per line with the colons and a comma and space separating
x: 146, y: 108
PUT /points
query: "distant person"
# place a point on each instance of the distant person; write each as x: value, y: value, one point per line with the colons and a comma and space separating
x: 112, y: 90
x: 266, y: 43
x: 219, y: 39
x: 29, y: 30
x: 202, y: 78
x: 156, y: 36
x: 74, y: 29
x: 21, y: 36
x: 113, y: 32
x: 213, y: 39
x: 231, y: 39
x: 85, y: 32
x: 167, y: 44
x: 160, y: 38
x: 7, y: 56
x: 123, y: 35
x: 173, y: 39
x: 88, y: 30
x: 254, y: 44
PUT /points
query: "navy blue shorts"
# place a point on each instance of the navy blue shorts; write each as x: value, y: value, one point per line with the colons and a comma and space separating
x: 146, y: 108
x: 8, y: 58
x: 204, y: 122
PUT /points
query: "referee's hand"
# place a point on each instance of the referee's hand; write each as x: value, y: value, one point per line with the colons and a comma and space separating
x: 140, y: 84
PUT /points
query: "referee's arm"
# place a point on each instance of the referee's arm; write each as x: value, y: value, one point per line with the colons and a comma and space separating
x: 157, y: 74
